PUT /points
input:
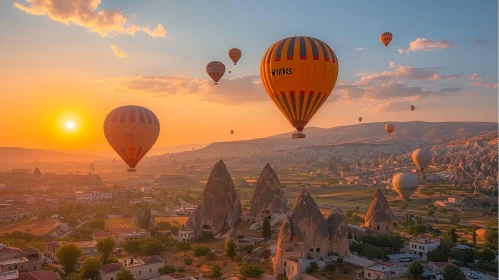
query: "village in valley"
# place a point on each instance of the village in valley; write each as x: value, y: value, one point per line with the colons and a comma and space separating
x: 187, y: 217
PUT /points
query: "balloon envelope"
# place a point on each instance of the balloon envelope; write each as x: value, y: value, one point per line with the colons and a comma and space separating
x: 299, y: 74
x: 360, y: 119
x: 131, y: 131
x: 232, y: 132
x: 235, y: 55
x: 422, y: 158
x: 215, y: 70
x: 405, y: 184
x: 389, y: 127
x: 413, y: 107
x: 386, y: 38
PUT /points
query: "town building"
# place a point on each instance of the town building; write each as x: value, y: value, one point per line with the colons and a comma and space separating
x: 185, y: 234
x: 8, y: 213
x: 403, y: 258
x: 144, y: 268
x: 438, y: 267
x: 12, y: 258
x: 138, y: 234
x: 39, y: 275
x: 422, y: 246
x: 381, y: 271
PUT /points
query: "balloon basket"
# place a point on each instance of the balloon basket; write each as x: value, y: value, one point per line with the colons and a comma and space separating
x: 298, y: 135
x: 131, y: 170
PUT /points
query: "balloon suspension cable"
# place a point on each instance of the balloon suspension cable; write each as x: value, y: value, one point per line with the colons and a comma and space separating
x: 298, y: 135
x: 131, y: 170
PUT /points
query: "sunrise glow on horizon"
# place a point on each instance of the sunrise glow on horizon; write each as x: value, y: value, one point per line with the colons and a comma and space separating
x: 154, y: 54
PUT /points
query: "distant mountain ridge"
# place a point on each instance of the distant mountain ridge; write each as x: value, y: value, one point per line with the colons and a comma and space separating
x: 15, y: 155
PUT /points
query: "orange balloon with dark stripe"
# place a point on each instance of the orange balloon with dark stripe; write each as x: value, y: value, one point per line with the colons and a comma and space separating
x: 299, y: 74
x: 386, y: 38
x: 131, y: 131
x: 235, y: 55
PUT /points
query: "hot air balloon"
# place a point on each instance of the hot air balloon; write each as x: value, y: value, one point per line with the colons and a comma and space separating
x: 389, y: 127
x: 231, y: 132
x: 386, y: 38
x: 405, y: 184
x: 235, y: 55
x: 216, y: 70
x: 230, y: 72
x: 360, y: 119
x: 413, y: 107
x: 299, y: 74
x: 131, y: 131
x: 422, y: 158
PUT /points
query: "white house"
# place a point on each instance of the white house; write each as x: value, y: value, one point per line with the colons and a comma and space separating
x: 144, y: 268
x: 422, y: 246
x: 381, y: 271
x: 185, y: 234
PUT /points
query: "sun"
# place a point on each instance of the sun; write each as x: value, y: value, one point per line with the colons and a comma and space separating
x: 70, y: 125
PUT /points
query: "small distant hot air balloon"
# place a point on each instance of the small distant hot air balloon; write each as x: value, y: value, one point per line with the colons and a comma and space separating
x: 389, y: 127
x: 413, y: 107
x: 231, y: 132
x: 286, y: 72
x: 386, y: 38
x: 422, y: 158
x: 405, y: 184
x: 235, y: 55
x: 360, y: 119
x: 230, y: 72
x: 131, y: 131
x: 216, y: 70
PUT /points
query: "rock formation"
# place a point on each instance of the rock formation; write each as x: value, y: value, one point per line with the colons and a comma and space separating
x: 268, y: 200
x: 220, y: 207
x: 37, y: 172
x: 375, y: 163
x: 379, y: 217
x: 392, y: 159
x: 305, y: 233
x: 145, y: 219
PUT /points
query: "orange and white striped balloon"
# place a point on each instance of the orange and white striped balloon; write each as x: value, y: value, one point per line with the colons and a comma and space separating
x: 215, y: 70
x: 235, y: 55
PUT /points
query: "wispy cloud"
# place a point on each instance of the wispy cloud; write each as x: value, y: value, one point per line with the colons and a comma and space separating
x: 84, y: 13
x: 359, y: 49
x: 451, y: 89
x: 481, y: 41
x: 118, y: 52
x: 423, y: 44
x: 481, y: 84
x: 236, y: 90
x: 390, y: 106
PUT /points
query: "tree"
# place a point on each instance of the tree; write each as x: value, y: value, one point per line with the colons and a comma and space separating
x: 106, y: 247
x: 74, y: 276
x: 51, y: 267
x: 182, y: 246
x: 200, y: 251
x: 124, y: 274
x: 312, y: 267
x: 438, y: 255
x: 453, y: 272
x: 167, y: 269
x: 230, y: 248
x: 188, y: 261
x: 487, y: 255
x: 132, y: 246
x: 215, y: 272
x: 68, y: 255
x: 416, y: 269
x: 266, y: 228
x: 339, y: 260
x: 96, y: 224
x: 437, y: 232
x: 491, y: 239
x: 151, y: 247
x: 211, y: 256
x: 455, y: 218
x: 248, y: 249
x: 251, y: 271
x: 265, y: 253
x: 90, y: 268
x: 416, y: 229
x: 418, y: 220
x: 206, y: 236
x: 451, y: 235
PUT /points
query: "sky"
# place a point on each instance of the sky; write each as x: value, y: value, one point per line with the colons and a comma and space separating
x: 78, y: 60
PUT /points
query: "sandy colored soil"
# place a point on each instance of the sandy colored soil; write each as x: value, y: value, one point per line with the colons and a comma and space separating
x: 120, y: 223
x: 34, y: 227
x: 172, y: 220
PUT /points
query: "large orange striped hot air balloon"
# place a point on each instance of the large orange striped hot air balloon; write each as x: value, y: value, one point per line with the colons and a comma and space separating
x: 235, y: 55
x: 389, y: 127
x: 215, y: 70
x: 386, y: 38
x: 131, y: 131
x: 299, y: 74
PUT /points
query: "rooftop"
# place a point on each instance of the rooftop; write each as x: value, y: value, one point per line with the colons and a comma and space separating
x: 9, y: 275
x: 382, y: 266
x: 440, y: 264
x: 423, y: 240
x: 39, y: 275
x: 13, y: 261
x: 109, y: 268
x: 401, y: 256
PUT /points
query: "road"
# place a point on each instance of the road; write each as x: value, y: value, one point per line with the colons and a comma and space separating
x: 69, y: 232
x: 484, y: 276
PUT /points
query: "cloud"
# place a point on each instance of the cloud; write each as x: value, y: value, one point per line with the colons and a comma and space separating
x: 451, y: 89
x: 481, y: 84
x: 84, y: 13
x: 236, y: 90
x: 118, y: 52
x: 473, y: 77
x: 359, y: 49
x: 423, y: 44
x: 390, y: 106
x: 481, y: 41
x: 487, y: 77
